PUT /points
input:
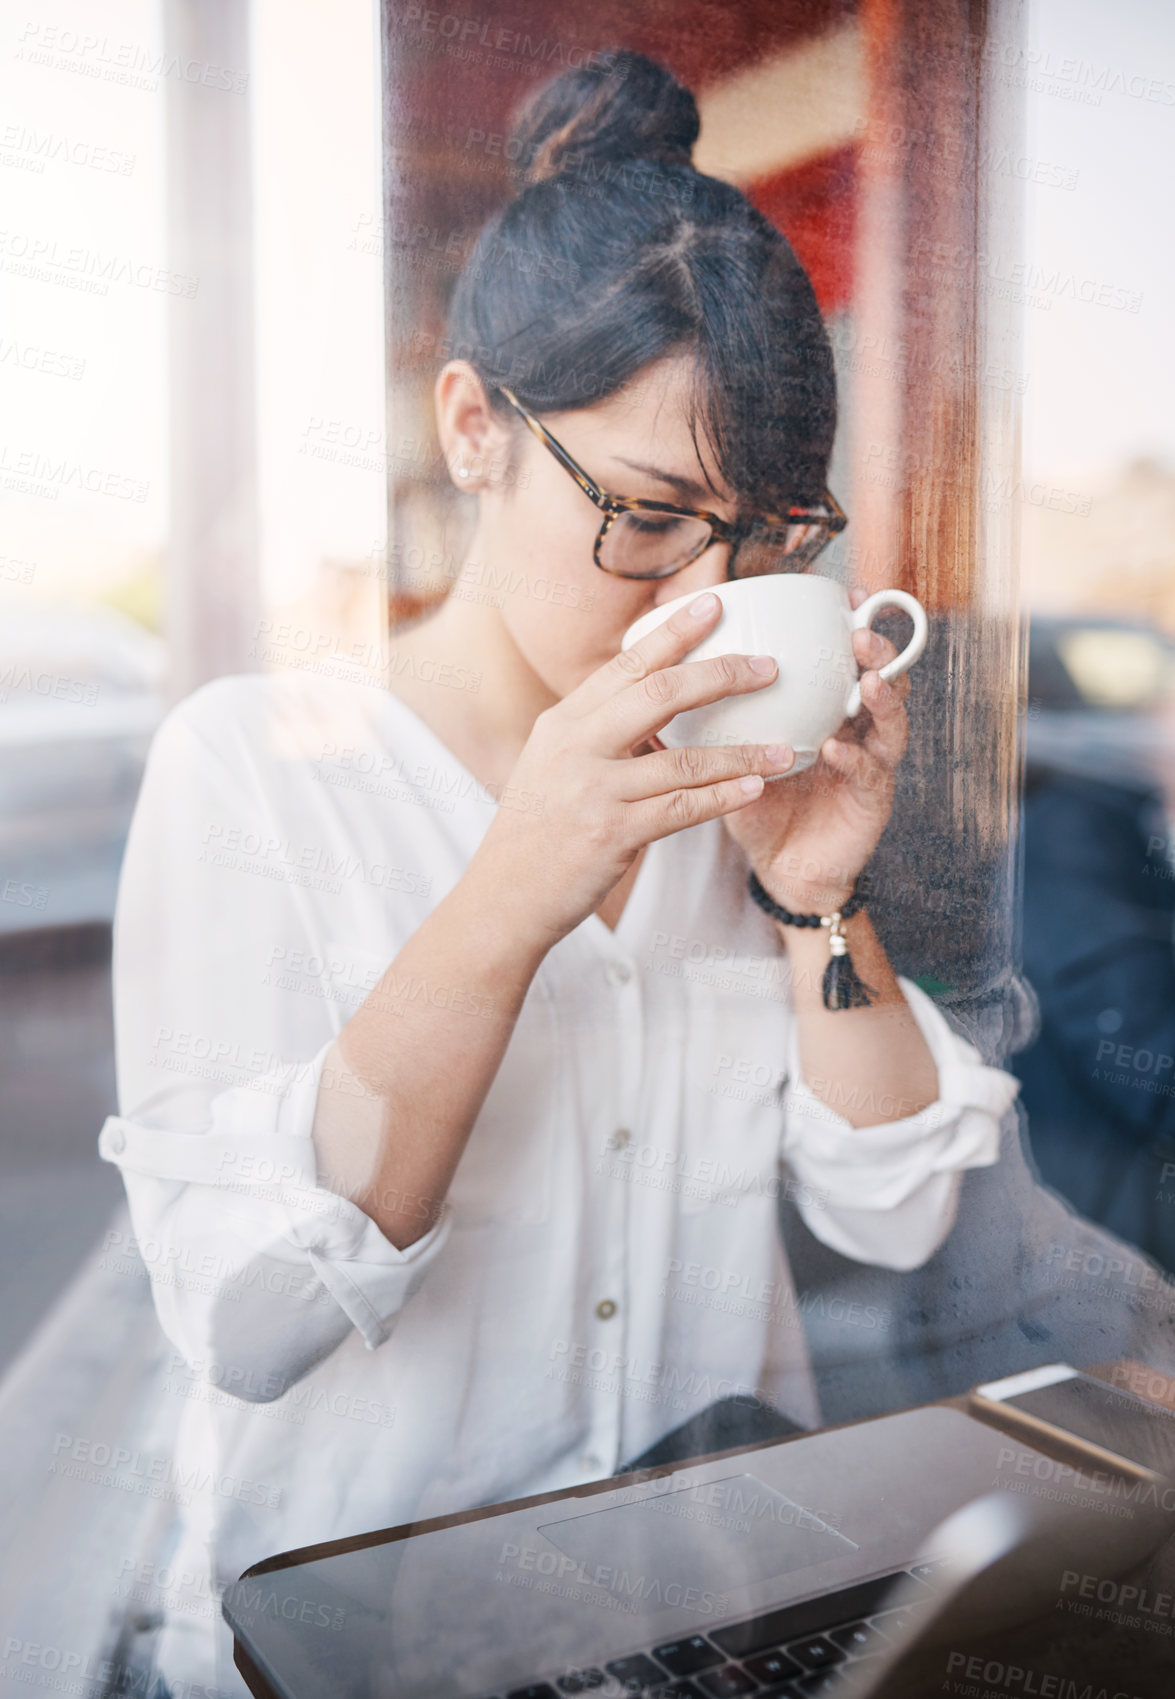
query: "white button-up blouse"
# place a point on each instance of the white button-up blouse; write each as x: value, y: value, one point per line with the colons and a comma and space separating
x: 609, y: 1260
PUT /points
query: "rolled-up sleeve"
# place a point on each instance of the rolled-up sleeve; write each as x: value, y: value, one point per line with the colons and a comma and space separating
x: 258, y: 1269
x: 251, y: 1184
x: 888, y: 1194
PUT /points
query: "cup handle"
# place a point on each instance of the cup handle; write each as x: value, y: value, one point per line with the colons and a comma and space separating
x: 863, y: 616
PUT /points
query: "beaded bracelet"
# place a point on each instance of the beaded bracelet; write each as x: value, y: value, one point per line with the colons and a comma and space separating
x: 841, y: 987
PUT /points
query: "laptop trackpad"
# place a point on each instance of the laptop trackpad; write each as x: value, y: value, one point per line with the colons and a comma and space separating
x: 696, y: 1544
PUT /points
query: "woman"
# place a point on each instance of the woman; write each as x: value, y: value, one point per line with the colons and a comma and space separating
x: 460, y: 1076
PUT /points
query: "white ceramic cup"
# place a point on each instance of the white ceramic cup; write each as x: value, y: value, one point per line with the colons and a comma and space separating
x: 807, y: 624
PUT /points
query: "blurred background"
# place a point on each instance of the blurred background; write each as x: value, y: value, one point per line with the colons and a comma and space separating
x: 229, y: 232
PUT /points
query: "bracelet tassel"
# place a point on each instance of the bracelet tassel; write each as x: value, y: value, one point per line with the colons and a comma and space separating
x: 842, y: 987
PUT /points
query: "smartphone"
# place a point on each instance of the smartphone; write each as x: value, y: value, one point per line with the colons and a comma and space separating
x: 1122, y: 1427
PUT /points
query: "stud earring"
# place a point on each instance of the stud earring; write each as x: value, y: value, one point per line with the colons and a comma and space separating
x: 463, y: 471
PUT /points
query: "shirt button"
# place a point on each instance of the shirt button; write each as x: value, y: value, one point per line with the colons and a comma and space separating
x: 116, y: 1143
x: 605, y: 1309
x: 618, y: 973
x: 620, y: 1138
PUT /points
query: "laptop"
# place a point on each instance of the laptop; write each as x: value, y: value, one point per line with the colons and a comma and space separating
x: 821, y: 1565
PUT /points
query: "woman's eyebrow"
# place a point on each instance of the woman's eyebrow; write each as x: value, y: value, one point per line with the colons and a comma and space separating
x: 684, y: 486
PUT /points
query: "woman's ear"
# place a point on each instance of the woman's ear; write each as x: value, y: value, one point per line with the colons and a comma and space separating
x: 474, y: 440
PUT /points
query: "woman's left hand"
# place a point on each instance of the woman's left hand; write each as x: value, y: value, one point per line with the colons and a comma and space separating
x: 808, y: 837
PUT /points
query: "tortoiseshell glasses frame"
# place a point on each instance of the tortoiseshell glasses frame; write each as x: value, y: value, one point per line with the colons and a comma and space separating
x: 815, y: 527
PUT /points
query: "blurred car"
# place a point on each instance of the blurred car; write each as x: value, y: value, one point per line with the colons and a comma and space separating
x: 81, y: 693
x: 1098, y: 921
x: 1101, y: 698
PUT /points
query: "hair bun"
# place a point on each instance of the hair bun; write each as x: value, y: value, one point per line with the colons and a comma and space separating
x: 628, y: 107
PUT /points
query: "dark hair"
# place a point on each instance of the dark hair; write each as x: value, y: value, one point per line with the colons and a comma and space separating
x: 616, y: 253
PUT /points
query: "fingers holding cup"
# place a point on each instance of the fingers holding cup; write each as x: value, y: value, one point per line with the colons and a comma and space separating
x: 872, y: 652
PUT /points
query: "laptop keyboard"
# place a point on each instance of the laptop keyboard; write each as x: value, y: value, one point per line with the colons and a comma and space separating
x: 788, y: 1653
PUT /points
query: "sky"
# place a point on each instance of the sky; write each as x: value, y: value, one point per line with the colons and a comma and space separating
x: 82, y: 374
x: 82, y: 396
x: 1100, y: 377
x: 81, y: 367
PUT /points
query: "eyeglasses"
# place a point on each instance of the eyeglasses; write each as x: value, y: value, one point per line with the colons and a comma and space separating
x: 652, y: 539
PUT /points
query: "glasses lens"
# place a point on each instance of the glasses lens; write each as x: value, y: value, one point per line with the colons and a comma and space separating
x: 781, y: 548
x: 650, y: 545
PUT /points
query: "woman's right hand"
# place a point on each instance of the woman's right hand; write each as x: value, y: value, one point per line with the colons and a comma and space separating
x: 601, y: 803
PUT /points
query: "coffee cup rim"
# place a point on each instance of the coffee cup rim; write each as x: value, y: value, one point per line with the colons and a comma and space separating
x: 667, y: 609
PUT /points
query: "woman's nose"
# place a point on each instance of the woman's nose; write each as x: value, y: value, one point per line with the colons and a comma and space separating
x: 705, y: 573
